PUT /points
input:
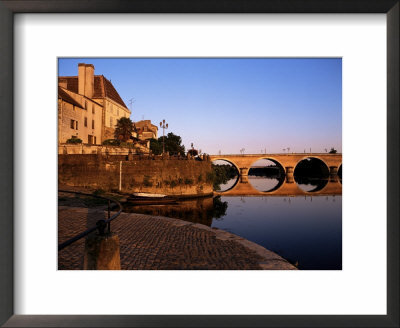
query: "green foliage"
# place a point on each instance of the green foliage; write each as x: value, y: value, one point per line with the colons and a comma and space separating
x: 221, y: 174
x: 111, y: 142
x: 219, y: 207
x: 123, y: 129
x: 193, y: 152
x: 173, y: 144
x: 200, y: 178
x: 173, y: 183
x: 156, y: 146
x: 74, y: 141
x: 333, y: 151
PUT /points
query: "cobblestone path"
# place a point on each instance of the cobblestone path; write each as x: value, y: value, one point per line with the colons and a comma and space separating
x: 151, y: 243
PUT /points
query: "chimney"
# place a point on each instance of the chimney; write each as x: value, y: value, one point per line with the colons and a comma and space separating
x: 89, y: 80
x: 81, y: 78
x: 86, y: 79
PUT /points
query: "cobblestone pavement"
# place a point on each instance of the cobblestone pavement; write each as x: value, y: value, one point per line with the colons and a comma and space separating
x: 151, y: 243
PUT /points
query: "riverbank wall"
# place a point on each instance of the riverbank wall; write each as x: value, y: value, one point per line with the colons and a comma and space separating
x: 170, y: 176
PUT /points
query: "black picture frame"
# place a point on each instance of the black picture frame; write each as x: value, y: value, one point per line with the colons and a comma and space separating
x: 7, y: 10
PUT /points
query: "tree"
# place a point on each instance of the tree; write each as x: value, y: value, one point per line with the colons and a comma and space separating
x: 124, y: 129
x: 156, y: 146
x: 333, y: 151
x: 193, y: 152
x: 173, y: 144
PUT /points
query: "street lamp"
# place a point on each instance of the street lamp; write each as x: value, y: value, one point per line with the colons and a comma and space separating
x: 163, y: 126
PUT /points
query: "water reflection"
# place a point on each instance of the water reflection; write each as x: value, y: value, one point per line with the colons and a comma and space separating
x: 258, y: 186
x: 200, y: 210
x: 311, y: 184
x: 302, y: 229
x: 229, y: 184
x: 266, y: 184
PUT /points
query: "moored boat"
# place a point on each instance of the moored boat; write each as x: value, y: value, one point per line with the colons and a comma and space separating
x: 148, y: 195
x: 149, y: 199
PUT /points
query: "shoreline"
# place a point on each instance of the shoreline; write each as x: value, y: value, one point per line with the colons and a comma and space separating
x: 170, y: 244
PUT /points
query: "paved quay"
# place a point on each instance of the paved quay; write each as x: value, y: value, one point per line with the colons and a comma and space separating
x: 160, y: 243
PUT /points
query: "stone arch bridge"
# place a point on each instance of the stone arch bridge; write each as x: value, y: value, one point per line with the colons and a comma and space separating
x: 287, y: 161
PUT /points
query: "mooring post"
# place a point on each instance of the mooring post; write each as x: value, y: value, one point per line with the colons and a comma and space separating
x: 102, y: 249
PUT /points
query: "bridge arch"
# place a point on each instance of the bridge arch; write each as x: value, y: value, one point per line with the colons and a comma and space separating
x: 340, y: 173
x: 237, y: 171
x: 311, y: 174
x: 311, y: 157
x: 227, y: 160
x: 269, y: 158
x: 267, y: 185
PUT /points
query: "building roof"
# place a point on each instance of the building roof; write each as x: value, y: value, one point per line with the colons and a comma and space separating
x: 66, y: 97
x: 102, y: 88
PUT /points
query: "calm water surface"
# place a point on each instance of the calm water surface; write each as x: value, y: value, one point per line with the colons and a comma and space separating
x: 306, y: 230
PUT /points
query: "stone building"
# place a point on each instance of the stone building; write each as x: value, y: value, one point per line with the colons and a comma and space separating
x: 78, y: 117
x: 90, y: 91
x: 145, y: 130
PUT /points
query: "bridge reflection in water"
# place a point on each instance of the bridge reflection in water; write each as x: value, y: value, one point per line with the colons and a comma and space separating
x: 286, y: 187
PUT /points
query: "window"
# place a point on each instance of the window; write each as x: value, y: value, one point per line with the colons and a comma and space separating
x: 92, y: 108
x: 110, y: 122
x: 91, y: 139
x: 85, y: 122
x: 85, y: 105
x: 74, y: 124
x: 92, y: 124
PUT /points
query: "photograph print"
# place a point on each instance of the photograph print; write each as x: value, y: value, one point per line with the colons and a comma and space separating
x: 199, y: 163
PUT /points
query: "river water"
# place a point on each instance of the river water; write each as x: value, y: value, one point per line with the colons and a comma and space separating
x: 306, y: 230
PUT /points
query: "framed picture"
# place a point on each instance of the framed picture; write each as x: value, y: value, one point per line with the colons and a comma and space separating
x: 202, y: 298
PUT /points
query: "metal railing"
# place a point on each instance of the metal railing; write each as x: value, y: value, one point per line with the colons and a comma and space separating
x: 101, y: 224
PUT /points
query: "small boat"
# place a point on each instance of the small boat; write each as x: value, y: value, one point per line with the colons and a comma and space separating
x: 141, y: 198
x: 148, y: 195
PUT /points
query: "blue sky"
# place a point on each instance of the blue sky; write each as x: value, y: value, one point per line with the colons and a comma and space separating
x: 229, y: 104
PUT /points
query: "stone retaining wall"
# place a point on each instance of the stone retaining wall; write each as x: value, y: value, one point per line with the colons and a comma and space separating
x: 169, y: 176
